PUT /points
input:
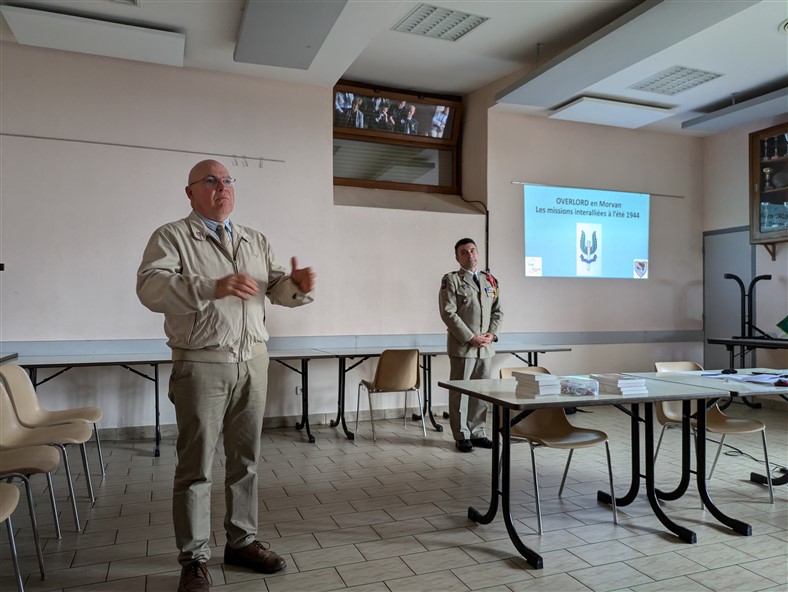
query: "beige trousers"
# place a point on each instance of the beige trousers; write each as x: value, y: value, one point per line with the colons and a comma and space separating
x: 211, y: 399
x: 467, y: 414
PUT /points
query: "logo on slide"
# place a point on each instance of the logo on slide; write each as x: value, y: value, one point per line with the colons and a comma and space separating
x: 589, y: 242
x: 641, y: 268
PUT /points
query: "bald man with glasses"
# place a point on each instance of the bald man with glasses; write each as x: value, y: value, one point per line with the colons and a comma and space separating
x: 210, y: 277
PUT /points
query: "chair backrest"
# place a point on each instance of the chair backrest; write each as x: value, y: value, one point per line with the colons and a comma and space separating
x: 9, y: 498
x: 680, y: 366
x: 542, y: 422
x: 670, y: 411
x: 550, y: 422
x: 398, y: 370
x: 11, y: 431
x: 23, y: 394
x: 507, y: 372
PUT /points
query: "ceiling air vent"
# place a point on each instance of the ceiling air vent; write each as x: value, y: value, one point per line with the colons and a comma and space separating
x: 675, y: 80
x: 440, y: 23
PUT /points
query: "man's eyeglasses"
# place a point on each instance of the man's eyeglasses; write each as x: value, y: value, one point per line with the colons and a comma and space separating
x: 213, y: 181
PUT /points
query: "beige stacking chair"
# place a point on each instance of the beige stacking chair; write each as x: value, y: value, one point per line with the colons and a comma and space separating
x: 9, y: 499
x: 397, y: 371
x: 550, y: 428
x: 22, y: 463
x: 716, y: 421
x: 13, y: 435
x: 32, y: 415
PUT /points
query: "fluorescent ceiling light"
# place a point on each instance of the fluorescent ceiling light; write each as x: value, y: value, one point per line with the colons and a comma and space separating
x: 674, y: 80
x: 614, y: 113
x: 84, y: 35
x: 440, y: 23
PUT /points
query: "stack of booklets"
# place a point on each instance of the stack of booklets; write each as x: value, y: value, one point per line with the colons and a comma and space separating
x: 531, y: 386
x: 621, y: 384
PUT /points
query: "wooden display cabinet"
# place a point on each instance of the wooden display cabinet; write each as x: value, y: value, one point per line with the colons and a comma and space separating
x: 769, y: 187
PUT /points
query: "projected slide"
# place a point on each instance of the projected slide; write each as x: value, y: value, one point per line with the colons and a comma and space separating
x: 572, y: 232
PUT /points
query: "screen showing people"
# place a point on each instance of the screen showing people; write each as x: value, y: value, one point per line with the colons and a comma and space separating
x: 392, y: 115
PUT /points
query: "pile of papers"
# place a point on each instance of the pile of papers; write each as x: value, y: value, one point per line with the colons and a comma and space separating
x: 531, y: 386
x: 614, y: 383
x: 776, y: 378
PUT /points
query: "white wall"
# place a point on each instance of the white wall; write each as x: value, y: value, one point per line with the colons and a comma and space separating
x: 76, y: 216
x: 538, y: 150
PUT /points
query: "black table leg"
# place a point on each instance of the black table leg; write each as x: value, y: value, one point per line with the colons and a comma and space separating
x: 634, y: 484
x: 157, y: 420
x: 686, y: 470
x: 341, y: 401
x: 305, y: 400
x: 758, y: 478
x: 157, y: 445
x: 532, y: 557
x: 427, y: 381
x: 737, y: 525
x: 683, y: 533
x: 341, y: 394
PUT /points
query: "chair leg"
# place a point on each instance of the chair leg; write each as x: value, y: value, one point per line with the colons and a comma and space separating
x: 88, y: 481
x: 423, y: 426
x: 371, y: 419
x: 54, y: 506
x: 717, y: 456
x: 14, y: 557
x: 768, y: 468
x: 694, y: 439
x: 656, y: 450
x: 566, y: 470
x: 536, y: 489
x: 612, y: 490
x: 70, y: 483
x: 358, y: 403
x: 405, y: 412
x: 98, y: 447
x: 34, y: 524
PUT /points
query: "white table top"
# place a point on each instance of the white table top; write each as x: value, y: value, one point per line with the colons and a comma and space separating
x: 729, y: 383
x: 437, y: 350
x: 131, y: 359
x: 501, y: 391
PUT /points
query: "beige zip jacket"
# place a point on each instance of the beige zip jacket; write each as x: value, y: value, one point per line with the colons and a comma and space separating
x: 177, y: 277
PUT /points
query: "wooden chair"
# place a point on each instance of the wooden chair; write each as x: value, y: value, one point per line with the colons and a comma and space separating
x: 397, y: 371
x: 716, y: 421
x: 550, y: 428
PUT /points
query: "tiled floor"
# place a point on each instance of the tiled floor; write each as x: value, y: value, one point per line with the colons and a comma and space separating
x: 392, y: 516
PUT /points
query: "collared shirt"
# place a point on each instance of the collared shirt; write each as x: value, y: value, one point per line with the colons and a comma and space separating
x: 213, y: 225
x: 470, y: 273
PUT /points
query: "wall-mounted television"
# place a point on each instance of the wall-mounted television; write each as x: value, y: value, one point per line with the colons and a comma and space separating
x: 585, y: 233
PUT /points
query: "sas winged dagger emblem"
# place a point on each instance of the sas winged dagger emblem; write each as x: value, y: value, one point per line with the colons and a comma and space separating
x: 588, y: 249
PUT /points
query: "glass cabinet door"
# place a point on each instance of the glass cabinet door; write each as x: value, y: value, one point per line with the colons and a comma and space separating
x: 769, y: 185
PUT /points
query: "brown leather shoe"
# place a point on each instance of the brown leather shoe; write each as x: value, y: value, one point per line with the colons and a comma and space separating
x: 195, y: 578
x: 254, y: 556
